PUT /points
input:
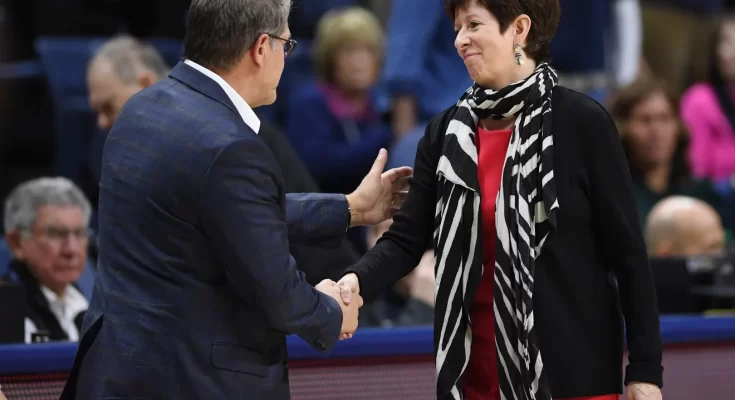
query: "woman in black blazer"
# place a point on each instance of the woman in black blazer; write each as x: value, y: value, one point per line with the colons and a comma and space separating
x: 524, y: 192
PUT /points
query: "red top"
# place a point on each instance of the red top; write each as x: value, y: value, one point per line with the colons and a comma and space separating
x: 481, y: 376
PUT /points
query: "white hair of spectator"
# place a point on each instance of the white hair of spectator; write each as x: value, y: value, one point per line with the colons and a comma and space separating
x: 220, y: 32
x: 128, y: 56
x: 22, y: 204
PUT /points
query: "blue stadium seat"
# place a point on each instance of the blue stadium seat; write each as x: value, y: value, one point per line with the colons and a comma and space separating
x: 64, y: 61
x: 5, y: 257
x: 85, y: 282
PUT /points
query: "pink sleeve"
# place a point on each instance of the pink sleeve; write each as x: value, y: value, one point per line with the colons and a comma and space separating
x: 696, y: 116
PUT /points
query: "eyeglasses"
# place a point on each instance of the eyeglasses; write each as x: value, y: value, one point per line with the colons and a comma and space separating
x: 59, y: 234
x: 288, y: 44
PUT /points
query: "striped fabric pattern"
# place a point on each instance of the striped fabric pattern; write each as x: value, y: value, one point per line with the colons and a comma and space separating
x: 525, y: 220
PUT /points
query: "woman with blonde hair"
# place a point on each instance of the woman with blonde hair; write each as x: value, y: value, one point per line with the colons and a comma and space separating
x: 333, y: 123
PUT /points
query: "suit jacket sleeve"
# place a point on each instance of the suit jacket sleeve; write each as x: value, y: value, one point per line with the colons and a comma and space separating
x: 612, y: 196
x: 400, y: 249
x: 242, y: 213
x: 317, y: 219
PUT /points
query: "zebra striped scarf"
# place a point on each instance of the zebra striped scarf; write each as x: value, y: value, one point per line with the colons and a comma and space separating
x: 525, y: 219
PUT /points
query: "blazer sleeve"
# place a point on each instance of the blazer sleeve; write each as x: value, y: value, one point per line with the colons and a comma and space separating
x: 247, y: 224
x: 317, y: 219
x: 613, y: 201
x: 400, y: 249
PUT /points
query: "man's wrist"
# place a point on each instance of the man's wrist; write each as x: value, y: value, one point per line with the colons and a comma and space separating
x: 355, y: 215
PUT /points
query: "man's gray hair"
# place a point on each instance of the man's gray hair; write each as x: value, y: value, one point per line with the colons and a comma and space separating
x: 219, y: 32
x: 22, y: 204
x: 128, y: 56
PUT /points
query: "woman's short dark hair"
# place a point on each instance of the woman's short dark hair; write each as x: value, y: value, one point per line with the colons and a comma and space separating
x: 544, y: 16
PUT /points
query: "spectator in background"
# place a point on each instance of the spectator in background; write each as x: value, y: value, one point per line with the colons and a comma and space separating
x: 333, y: 124
x: 708, y: 109
x: 46, y: 223
x: 124, y: 66
x: 656, y: 146
x: 423, y: 74
x: 607, y: 55
x: 302, y: 21
x: 681, y: 226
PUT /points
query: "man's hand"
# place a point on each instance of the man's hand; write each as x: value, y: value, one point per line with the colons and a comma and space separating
x: 643, y: 391
x: 380, y: 194
x: 349, y: 311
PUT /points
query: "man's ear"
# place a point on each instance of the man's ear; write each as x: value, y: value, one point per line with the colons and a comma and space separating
x: 259, y: 49
x: 13, y: 238
x: 146, y: 78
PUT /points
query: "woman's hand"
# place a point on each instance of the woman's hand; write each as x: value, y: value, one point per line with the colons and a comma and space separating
x: 643, y: 391
x: 348, y: 285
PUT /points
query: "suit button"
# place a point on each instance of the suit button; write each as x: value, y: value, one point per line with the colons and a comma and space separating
x: 320, y: 344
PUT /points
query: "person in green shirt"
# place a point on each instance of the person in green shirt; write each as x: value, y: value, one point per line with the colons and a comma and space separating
x: 656, y: 143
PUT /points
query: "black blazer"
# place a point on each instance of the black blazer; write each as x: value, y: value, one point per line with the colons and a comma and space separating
x: 579, y: 306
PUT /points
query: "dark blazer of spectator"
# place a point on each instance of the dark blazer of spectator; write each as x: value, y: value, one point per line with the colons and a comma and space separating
x: 324, y: 140
x: 316, y: 262
x: 38, y: 308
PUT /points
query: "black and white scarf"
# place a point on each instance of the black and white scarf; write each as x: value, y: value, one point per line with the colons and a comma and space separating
x: 525, y: 219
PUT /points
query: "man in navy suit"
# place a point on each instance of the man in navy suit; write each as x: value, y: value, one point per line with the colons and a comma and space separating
x: 196, y: 290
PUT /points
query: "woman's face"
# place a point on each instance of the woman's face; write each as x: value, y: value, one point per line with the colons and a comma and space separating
x: 653, y: 131
x: 487, y: 53
x: 356, y: 68
x: 726, y: 51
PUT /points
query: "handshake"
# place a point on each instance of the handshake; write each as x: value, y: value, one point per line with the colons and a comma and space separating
x: 347, y: 293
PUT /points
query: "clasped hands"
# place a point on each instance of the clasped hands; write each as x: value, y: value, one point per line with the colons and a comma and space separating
x: 378, y: 198
x: 350, y: 302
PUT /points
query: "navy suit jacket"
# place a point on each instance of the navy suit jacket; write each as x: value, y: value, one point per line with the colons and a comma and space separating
x: 196, y: 289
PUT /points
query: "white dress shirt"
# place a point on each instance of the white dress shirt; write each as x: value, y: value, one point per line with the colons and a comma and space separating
x: 247, y: 113
x: 65, y: 309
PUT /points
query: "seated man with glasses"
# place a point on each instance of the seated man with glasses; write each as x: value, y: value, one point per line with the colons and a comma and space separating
x: 46, y: 223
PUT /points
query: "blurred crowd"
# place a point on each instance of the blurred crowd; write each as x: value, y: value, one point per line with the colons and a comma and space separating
x: 365, y: 75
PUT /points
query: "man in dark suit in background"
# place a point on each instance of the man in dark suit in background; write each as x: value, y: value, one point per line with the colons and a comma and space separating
x: 125, y: 65
x: 196, y: 290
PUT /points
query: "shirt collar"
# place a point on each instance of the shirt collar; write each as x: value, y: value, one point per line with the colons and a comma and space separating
x: 247, y: 113
x: 72, y: 298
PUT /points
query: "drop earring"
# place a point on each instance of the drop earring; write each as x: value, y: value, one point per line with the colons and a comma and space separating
x: 519, y: 56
